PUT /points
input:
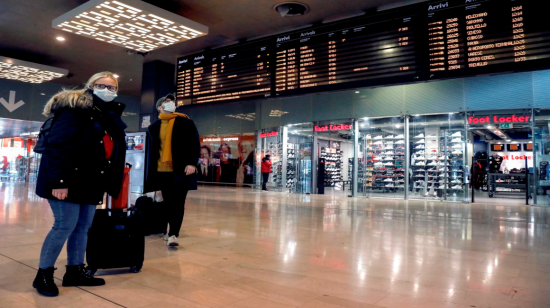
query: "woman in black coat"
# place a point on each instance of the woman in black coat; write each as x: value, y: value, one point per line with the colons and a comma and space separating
x: 84, y: 158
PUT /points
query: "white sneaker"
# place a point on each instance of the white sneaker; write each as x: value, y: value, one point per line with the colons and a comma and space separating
x: 173, y: 241
x: 378, y: 142
x: 457, y: 152
x: 399, y: 137
x: 456, y: 140
x: 456, y: 182
x: 420, y: 152
x: 433, y: 164
x: 456, y: 146
x: 388, y: 158
x: 432, y: 136
x: 400, y: 142
x: 420, y: 147
x: 390, y: 185
x: 421, y: 164
x: 388, y: 180
x: 388, y: 164
x: 389, y: 137
x: 378, y: 158
x: 421, y: 141
x: 457, y: 187
x: 457, y: 134
x: 420, y: 158
x: 378, y: 137
x: 419, y: 136
x: 389, y: 142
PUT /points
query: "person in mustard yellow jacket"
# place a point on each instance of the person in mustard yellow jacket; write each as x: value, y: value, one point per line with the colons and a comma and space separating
x: 173, y: 155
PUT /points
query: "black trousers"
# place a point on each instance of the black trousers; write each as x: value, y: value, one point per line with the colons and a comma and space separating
x: 265, y: 179
x: 174, y: 194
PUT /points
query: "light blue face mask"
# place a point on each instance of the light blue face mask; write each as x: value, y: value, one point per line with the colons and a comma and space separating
x: 105, y: 94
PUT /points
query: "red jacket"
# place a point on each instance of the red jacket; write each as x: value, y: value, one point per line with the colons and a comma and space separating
x: 266, y: 166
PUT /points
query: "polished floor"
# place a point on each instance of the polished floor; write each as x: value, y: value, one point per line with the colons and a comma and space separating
x: 243, y: 248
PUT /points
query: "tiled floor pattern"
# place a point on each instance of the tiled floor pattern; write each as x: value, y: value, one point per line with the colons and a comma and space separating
x: 242, y: 248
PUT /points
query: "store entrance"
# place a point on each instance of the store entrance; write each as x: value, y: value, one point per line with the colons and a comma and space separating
x: 335, y: 149
x: 503, y: 157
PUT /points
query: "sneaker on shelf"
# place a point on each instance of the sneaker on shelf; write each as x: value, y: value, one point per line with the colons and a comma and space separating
x: 389, y: 153
x: 378, y: 137
x: 419, y: 146
x: 456, y: 170
x: 457, y: 152
x: 388, y: 147
x: 419, y: 136
x: 400, y: 153
x: 456, y: 182
x: 400, y: 142
x: 433, y: 170
x: 388, y: 180
x: 434, y: 163
x: 400, y: 181
x: 369, y: 136
x: 456, y: 140
x: 421, y: 170
x: 422, y: 152
x: 379, y: 164
x: 378, y: 142
x: 390, y: 185
x: 378, y: 158
x: 419, y: 176
x: 457, y: 187
x: 457, y: 146
x: 388, y: 158
x: 421, y: 163
x: 389, y: 137
x: 388, y: 164
x: 427, y: 194
x: 388, y: 142
x: 420, y: 158
x: 432, y: 136
x: 457, y: 134
x: 421, y: 141
x: 442, y: 157
x: 400, y: 137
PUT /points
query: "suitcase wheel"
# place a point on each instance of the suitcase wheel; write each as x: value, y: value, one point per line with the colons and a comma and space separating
x: 136, y: 269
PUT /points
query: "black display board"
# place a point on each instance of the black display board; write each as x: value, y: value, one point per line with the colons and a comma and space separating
x: 370, y: 51
x: 426, y: 41
x: 236, y: 73
x: 472, y: 37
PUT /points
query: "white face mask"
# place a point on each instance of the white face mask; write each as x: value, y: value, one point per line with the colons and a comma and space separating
x: 105, y: 94
x: 169, y: 106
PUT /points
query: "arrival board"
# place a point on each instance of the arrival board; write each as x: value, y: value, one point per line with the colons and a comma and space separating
x: 366, y: 52
x: 470, y: 37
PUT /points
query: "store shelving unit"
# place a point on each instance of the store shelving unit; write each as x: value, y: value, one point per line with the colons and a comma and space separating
x: 438, y: 168
x: 333, y: 167
x: 292, y: 165
x: 385, y: 163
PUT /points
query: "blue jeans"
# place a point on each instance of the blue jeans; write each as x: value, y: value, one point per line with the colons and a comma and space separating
x: 72, y: 222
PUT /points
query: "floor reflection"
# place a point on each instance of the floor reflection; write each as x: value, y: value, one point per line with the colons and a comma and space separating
x: 245, y: 248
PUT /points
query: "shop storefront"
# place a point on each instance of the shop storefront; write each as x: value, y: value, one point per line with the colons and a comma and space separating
x: 18, y: 160
x: 482, y: 156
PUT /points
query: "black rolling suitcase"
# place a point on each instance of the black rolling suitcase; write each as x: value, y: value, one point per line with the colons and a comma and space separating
x: 116, y: 239
x: 154, y: 216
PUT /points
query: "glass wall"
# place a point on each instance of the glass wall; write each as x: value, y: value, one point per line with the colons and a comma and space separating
x: 18, y: 161
x: 540, y: 147
x: 270, y: 142
x: 381, y: 170
x: 298, y: 175
x: 438, y: 169
x: 335, y: 145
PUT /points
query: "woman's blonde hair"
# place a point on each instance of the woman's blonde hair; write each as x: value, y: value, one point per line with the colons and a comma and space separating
x: 95, y: 77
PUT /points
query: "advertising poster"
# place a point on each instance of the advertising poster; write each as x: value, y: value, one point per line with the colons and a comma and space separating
x: 227, y: 160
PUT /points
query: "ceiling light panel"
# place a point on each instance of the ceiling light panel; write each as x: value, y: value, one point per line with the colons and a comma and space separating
x: 28, y: 71
x: 132, y: 24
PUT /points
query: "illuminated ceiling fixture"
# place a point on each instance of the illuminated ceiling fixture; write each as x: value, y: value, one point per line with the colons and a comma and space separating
x: 28, y: 72
x: 132, y: 24
x: 277, y: 113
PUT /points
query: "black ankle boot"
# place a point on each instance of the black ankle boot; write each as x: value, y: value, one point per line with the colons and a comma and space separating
x: 77, y: 276
x: 44, y: 283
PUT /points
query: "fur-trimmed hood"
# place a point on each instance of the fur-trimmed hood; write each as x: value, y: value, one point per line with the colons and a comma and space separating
x: 69, y: 98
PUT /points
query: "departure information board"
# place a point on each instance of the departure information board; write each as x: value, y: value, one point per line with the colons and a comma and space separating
x: 469, y: 37
x: 348, y: 55
x: 230, y: 74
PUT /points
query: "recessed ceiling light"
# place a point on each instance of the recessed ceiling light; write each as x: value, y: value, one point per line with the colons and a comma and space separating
x: 60, y: 38
x: 116, y: 76
x: 490, y: 126
x: 132, y: 24
x: 28, y: 71
x: 357, y: 92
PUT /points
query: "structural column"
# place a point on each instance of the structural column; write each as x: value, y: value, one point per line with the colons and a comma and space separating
x: 157, y: 81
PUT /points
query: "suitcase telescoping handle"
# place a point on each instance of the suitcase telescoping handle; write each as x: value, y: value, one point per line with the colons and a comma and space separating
x: 125, y: 185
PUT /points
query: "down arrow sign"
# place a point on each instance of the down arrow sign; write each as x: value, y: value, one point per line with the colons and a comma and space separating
x: 11, y: 105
